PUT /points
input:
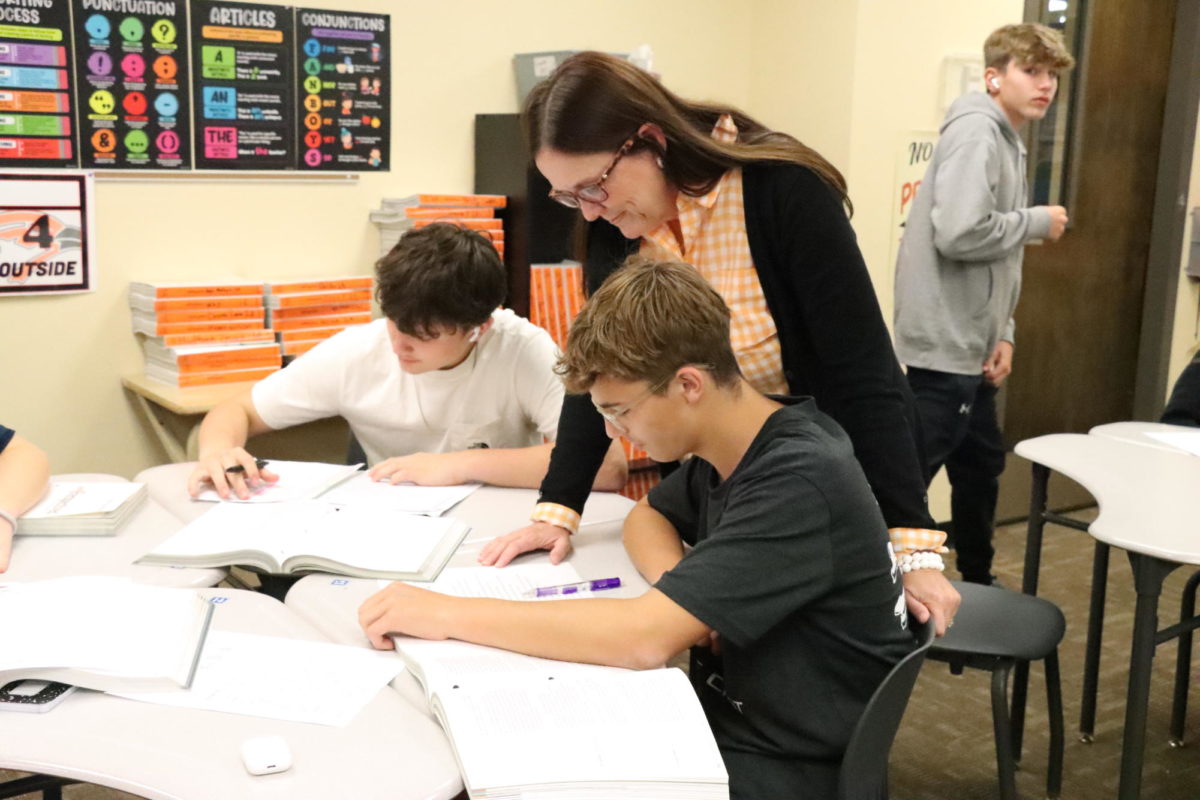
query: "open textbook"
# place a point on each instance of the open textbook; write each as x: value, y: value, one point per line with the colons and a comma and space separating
x: 82, y: 508
x: 101, y: 633
x: 527, y: 727
x: 313, y: 536
x: 298, y: 480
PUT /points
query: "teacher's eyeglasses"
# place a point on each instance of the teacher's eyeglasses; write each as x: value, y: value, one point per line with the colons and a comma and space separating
x: 593, y: 192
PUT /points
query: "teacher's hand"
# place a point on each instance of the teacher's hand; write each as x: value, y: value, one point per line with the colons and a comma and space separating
x: 535, y: 536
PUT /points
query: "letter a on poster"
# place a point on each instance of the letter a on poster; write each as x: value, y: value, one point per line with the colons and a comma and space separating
x: 46, y: 234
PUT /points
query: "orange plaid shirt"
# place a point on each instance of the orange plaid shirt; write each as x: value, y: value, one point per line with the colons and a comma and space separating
x: 713, y: 239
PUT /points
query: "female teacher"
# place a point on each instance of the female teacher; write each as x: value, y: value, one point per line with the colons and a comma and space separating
x: 764, y: 219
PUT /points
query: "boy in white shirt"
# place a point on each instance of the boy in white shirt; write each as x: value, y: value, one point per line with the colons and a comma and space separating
x: 447, y: 389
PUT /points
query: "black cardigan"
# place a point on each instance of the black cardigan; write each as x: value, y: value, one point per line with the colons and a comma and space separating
x: 834, y: 343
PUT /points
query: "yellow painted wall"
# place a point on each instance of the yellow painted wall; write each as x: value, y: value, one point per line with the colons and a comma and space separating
x: 62, y: 356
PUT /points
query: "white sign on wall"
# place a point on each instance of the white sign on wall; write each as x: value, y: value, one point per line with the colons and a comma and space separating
x: 914, y: 151
x: 46, y: 233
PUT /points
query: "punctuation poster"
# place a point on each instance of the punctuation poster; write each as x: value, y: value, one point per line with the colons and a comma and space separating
x: 131, y: 63
x: 36, y: 114
x: 343, y: 80
x: 242, y: 86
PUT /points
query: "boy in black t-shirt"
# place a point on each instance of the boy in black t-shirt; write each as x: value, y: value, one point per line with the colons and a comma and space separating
x: 789, y: 592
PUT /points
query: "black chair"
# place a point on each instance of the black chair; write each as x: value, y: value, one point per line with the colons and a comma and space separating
x: 864, y: 771
x: 995, y: 629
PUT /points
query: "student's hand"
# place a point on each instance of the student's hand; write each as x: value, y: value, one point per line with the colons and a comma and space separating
x: 401, y: 608
x: 534, y: 536
x: 999, y: 364
x: 423, y: 469
x: 1058, y: 222
x: 211, y: 469
x: 6, y: 534
x: 929, y: 594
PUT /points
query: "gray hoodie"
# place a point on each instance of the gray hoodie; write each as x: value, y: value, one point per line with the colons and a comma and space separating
x: 958, y: 274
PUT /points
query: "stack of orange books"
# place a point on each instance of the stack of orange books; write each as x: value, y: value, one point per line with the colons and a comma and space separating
x: 555, y: 297
x: 474, y: 211
x: 195, y: 334
x: 305, y: 313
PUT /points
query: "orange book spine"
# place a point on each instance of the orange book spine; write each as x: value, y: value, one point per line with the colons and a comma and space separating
x: 169, y: 328
x: 237, y: 376
x: 207, y: 362
x: 218, y: 337
x: 215, y: 290
x: 321, y: 322
x: 300, y: 348
x: 211, y: 315
x: 481, y: 212
x: 490, y: 200
x: 320, y: 299
x: 208, y: 303
x: 474, y: 224
x: 324, y: 285
x: 309, y: 334
x: 321, y: 310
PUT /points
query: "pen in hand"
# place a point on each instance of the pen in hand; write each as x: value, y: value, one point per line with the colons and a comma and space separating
x: 567, y: 589
x: 259, y: 463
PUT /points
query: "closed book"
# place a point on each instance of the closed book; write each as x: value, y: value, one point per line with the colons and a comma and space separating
x: 201, y: 315
x: 217, y: 302
x: 82, y: 508
x: 187, y: 379
x: 204, y: 358
x: 309, y: 299
x: 213, y: 337
x: 490, y: 225
x: 312, y: 536
x: 309, y: 334
x: 319, y: 285
x: 102, y: 633
x: 154, y: 328
x: 323, y: 310
x: 479, y: 212
x: 489, y: 200
x: 322, y: 321
x: 301, y: 347
x: 195, y: 289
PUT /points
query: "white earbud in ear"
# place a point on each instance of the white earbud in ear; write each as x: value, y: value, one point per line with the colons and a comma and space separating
x: 995, y: 83
x: 473, y: 336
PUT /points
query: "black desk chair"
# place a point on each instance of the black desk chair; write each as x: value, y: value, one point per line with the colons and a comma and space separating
x: 996, y: 629
x: 864, y: 771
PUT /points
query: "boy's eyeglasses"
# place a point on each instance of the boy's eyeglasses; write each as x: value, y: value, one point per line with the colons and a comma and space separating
x: 593, y: 192
x: 613, y: 414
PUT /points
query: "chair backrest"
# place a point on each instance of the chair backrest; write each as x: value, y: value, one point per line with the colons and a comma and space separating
x: 864, y: 768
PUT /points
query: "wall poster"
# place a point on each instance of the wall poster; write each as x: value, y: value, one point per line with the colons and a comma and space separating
x: 344, y: 88
x: 242, y: 86
x: 131, y: 67
x: 37, y: 123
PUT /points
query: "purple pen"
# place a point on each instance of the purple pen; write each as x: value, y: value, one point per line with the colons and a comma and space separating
x: 575, y: 588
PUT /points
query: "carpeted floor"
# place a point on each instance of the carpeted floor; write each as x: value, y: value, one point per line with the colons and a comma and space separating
x: 945, y: 749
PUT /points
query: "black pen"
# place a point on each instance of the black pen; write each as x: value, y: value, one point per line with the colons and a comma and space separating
x: 258, y: 463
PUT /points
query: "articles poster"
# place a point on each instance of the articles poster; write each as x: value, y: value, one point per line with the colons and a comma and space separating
x: 45, y: 233
x: 37, y: 125
x: 242, y: 60
x: 345, y: 117
x: 131, y: 63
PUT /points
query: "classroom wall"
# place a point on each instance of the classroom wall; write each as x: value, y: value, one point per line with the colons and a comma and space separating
x: 62, y: 356
x: 848, y: 78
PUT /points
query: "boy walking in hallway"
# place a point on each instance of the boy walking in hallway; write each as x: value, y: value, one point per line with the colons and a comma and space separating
x: 958, y: 275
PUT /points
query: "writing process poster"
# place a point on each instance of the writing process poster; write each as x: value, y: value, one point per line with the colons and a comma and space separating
x: 37, y: 126
x: 242, y: 86
x: 131, y: 71
x: 343, y: 76
x: 45, y: 233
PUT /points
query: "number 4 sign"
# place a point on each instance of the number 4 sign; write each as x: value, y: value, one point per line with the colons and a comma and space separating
x: 46, y: 233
